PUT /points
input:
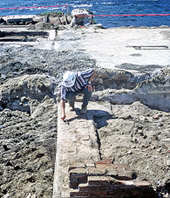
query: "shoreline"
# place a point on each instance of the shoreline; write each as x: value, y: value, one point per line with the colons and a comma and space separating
x: 14, y: 17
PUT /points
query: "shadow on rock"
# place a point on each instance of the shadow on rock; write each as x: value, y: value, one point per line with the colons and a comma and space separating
x: 99, y: 117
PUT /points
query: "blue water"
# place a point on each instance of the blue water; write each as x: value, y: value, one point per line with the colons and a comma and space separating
x: 99, y: 7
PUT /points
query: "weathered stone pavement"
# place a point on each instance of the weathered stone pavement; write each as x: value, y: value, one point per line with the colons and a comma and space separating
x: 135, y: 50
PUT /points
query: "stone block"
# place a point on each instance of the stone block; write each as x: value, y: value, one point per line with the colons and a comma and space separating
x: 100, y: 180
x: 141, y: 183
x: 78, y: 171
x: 96, y: 171
x: 118, y: 174
x: 75, y: 165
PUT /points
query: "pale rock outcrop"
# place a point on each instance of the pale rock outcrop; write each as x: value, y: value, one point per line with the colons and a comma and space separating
x: 81, y: 17
x: 117, y: 79
x: 154, y: 92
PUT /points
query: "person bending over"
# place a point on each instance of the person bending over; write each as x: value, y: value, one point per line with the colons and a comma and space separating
x: 73, y: 84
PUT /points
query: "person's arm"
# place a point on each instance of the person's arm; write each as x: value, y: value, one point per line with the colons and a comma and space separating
x: 90, y: 88
x: 63, y: 100
x: 91, y: 78
x: 63, y: 113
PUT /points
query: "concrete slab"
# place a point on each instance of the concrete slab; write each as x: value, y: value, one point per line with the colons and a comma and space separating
x: 123, y: 48
x: 131, y: 49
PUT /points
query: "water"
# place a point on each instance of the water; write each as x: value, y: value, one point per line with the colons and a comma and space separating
x: 100, y: 7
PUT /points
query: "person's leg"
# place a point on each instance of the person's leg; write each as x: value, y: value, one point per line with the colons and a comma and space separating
x: 70, y: 96
x: 86, y: 97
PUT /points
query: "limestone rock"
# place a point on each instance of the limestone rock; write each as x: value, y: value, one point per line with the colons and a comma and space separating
x: 154, y: 92
x: 117, y: 79
x: 81, y: 17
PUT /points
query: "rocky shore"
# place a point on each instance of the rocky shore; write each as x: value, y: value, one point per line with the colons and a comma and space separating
x: 29, y: 93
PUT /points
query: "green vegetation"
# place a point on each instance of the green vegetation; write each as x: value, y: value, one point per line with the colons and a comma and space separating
x: 54, y: 13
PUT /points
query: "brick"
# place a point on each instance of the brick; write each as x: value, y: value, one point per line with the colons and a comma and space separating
x: 88, y: 194
x: 76, y: 181
x: 78, y: 194
x: 97, y: 194
x: 98, y: 183
x: 118, y: 186
x: 107, y: 161
x: 75, y: 165
x: 117, y: 174
x: 135, y: 193
x: 118, y: 194
x: 78, y: 171
x: 141, y: 183
x: 103, y: 165
x: 93, y: 188
x: 96, y: 171
x: 77, y: 177
x: 82, y: 179
x: 74, y: 185
x: 99, y: 178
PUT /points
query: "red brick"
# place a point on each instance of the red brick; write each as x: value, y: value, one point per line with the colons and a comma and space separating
x: 78, y: 177
x: 97, y: 194
x: 135, y: 193
x: 88, y: 194
x: 118, y: 194
x: 107, y: 161
x: 74, y: 185
x: 82, y: 179
x: 93, y: 188
x: 77, y: 194
x: 98, y: 183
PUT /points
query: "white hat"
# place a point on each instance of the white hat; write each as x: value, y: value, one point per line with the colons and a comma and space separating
x: 69, y: 79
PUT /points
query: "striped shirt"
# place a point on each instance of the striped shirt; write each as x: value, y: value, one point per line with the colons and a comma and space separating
x: 81, y: 81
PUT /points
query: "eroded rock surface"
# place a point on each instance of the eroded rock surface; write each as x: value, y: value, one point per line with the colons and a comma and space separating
x: 28, y: 136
